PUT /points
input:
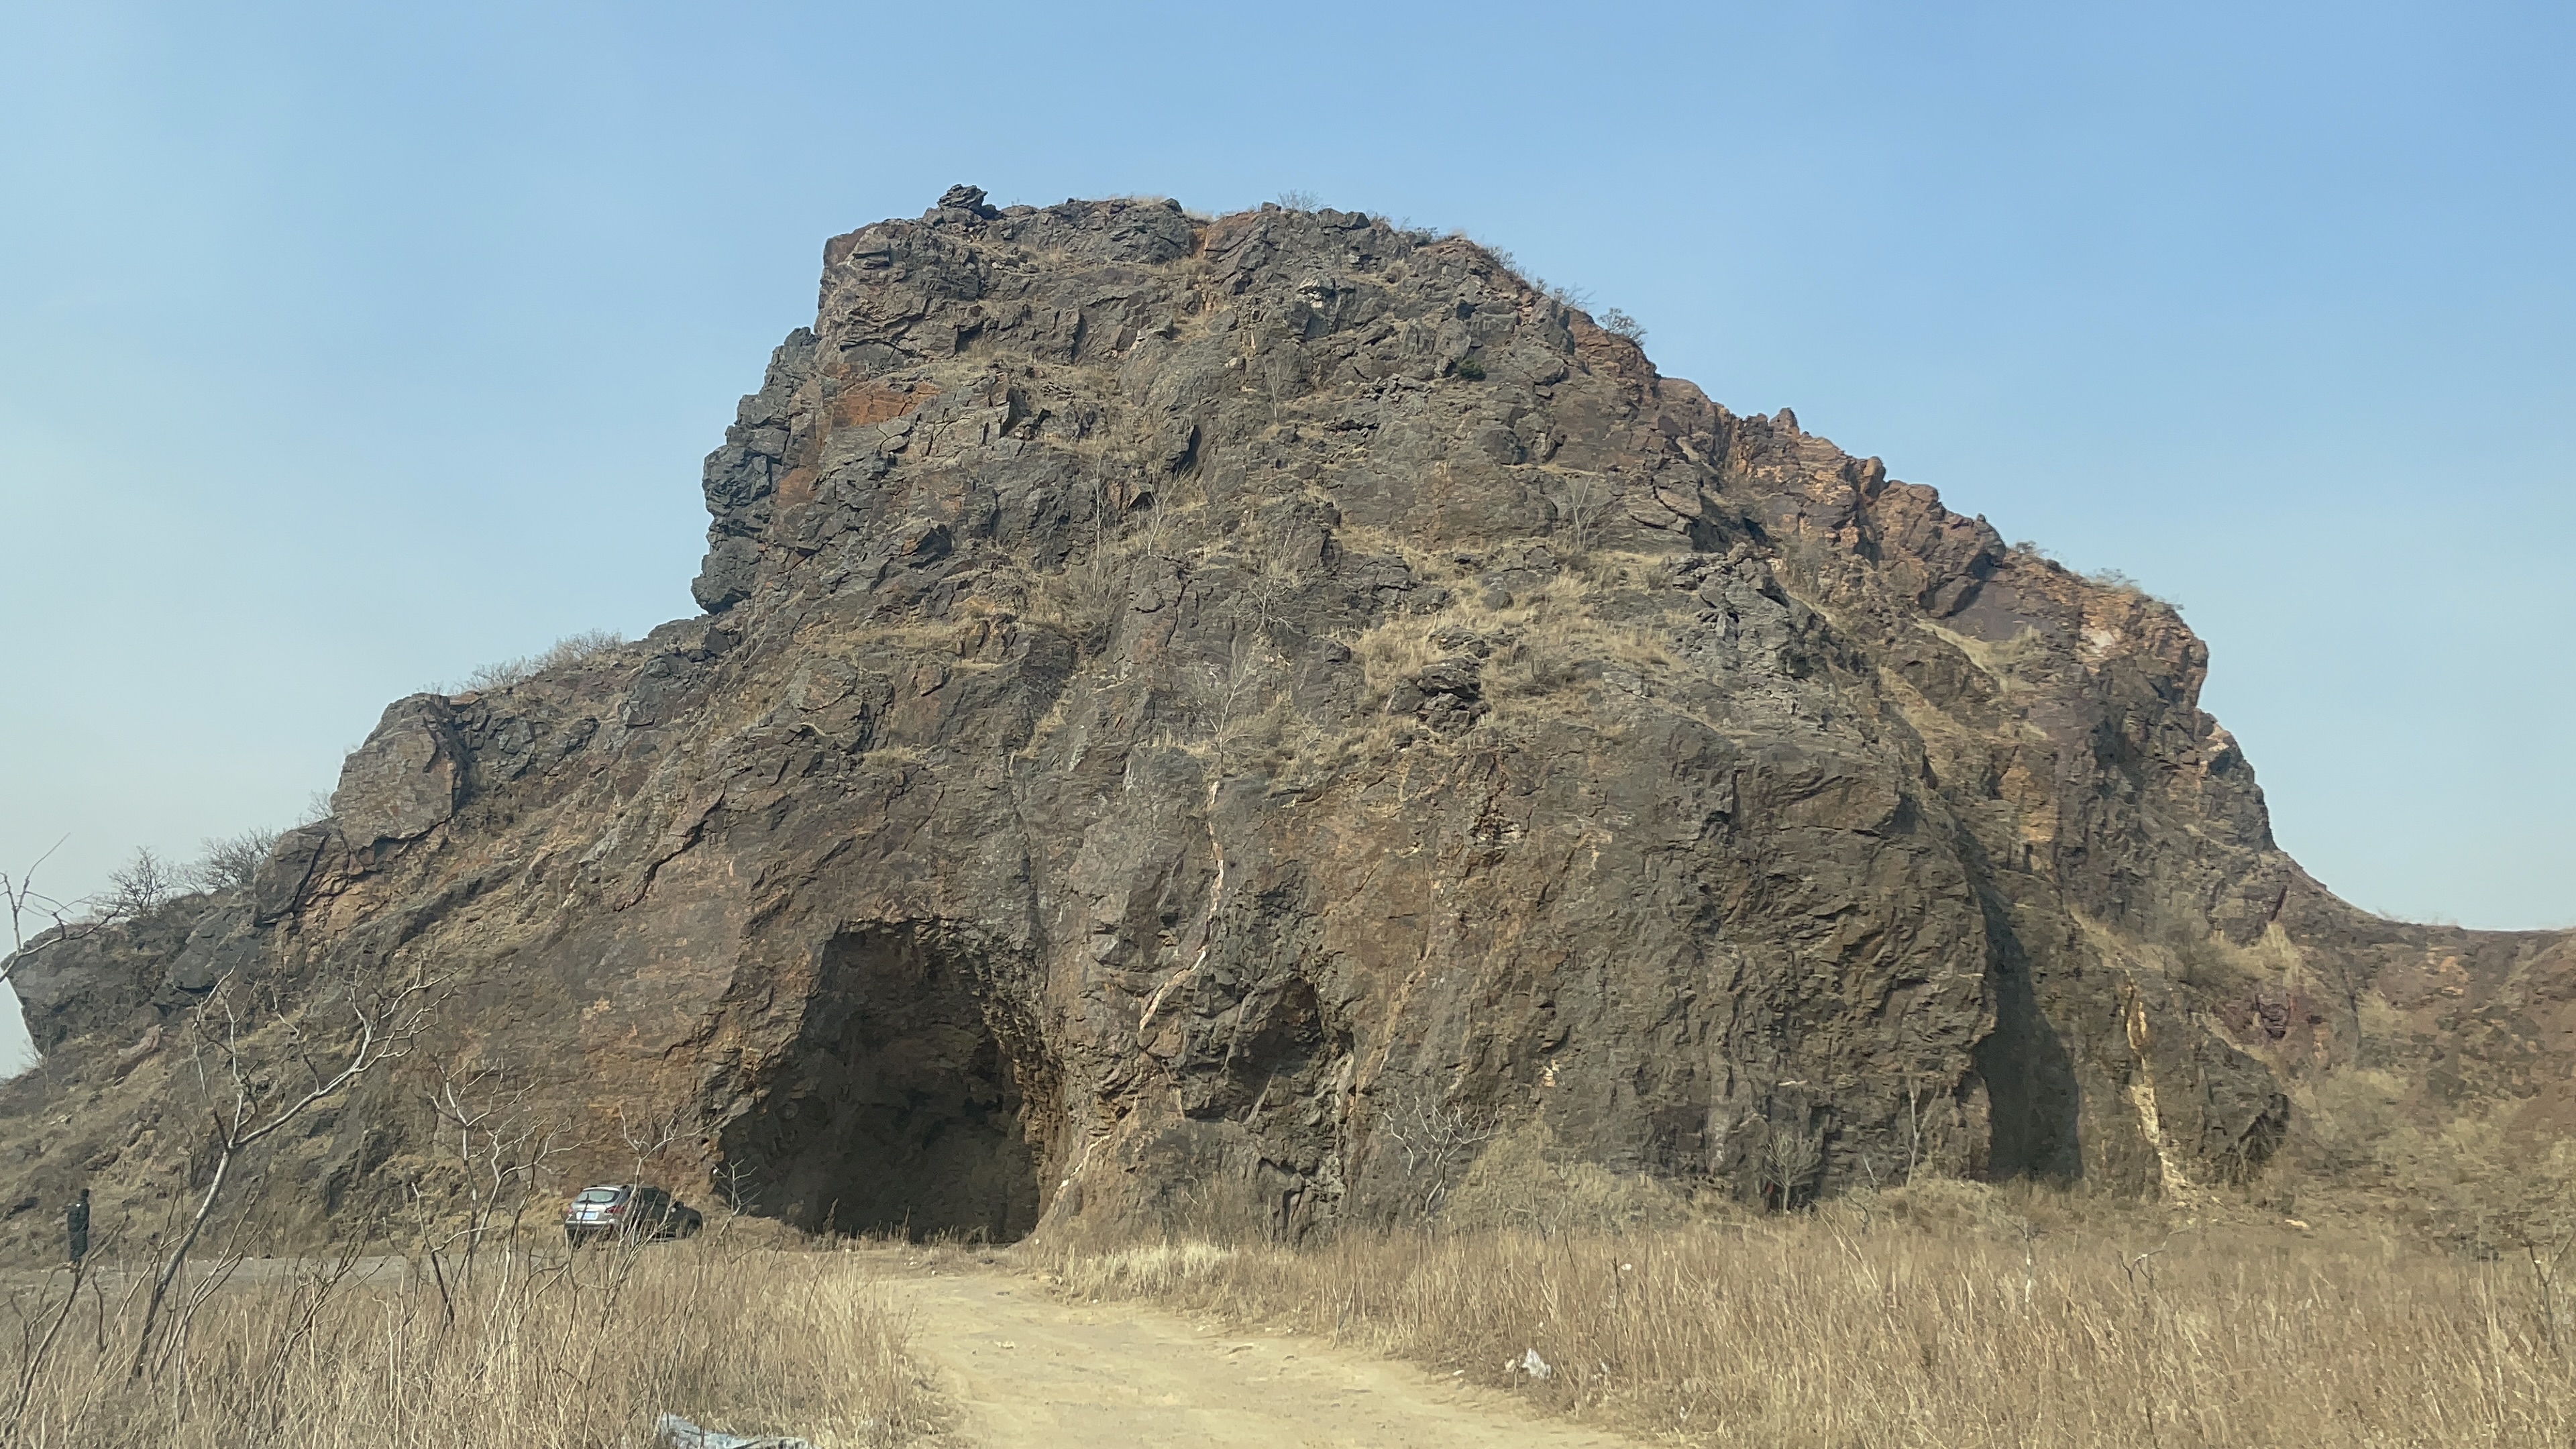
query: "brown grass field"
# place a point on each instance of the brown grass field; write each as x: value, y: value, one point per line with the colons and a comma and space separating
x: 1944, y: 1315
x: 561, y: 1349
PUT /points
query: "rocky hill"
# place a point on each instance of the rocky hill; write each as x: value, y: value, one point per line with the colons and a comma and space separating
x: 1228, y: 714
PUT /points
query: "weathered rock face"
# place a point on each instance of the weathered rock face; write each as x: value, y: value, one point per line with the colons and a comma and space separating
x: 1190, y: 708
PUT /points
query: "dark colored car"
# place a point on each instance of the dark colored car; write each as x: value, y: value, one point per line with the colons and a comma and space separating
x: 628, y: 1210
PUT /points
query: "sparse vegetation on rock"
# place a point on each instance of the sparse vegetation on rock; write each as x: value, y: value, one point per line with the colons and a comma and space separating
x: 565, y: 652
x: 230, y: 861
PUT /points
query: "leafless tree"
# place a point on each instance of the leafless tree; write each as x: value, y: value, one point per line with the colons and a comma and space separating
x: 231, y: 860
x: 1586, y: 502
x: 647, y: 1140
x: 497, y: 1144
x: 1238, y: 692
x: 1157, y: 529
x: 143, y: 884
x: 250, y: 1101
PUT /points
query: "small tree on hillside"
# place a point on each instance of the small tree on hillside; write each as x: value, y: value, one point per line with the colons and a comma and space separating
x: 1585, y: 505
x: 231, y: 860
x: 1789, y: 1161
x: 143, y: 885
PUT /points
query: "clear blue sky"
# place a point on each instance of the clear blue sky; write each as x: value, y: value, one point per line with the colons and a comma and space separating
x: 343, y: 348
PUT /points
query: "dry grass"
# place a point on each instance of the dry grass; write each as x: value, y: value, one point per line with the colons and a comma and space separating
x: 565, y: 652
x: 1542, y: 643
x: 1939, y: 1315
x: 571, y: 1349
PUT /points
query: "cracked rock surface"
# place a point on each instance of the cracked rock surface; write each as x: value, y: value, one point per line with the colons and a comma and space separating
x: 1188, y: 707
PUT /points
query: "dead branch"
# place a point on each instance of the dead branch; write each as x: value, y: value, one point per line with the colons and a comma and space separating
x: 382, y: 1030
x: 39, y: 922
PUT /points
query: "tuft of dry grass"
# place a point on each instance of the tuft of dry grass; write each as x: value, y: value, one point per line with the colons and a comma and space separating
x: 1545, y: 643
x: 565, y: 652
x: 1938, y: 1315
x: 579, y: 1348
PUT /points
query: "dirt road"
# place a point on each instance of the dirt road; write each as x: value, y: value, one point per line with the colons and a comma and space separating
x: 1026, y: 1369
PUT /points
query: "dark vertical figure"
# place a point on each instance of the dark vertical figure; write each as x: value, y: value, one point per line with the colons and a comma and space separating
x: 76, y: 1222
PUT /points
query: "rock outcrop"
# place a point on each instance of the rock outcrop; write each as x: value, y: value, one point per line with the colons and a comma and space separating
x: 1221, y: 714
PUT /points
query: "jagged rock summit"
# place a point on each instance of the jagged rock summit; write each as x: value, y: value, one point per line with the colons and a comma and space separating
x: 1226, y: 714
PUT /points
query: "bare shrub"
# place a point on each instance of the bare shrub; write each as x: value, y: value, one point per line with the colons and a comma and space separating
x: 492, y: 1145
x: 144, y: 884
x: 1238, y: 707
x: 1571, y: 298
x: 1269, y: 583
x: 1299, y: 200
x: 1788, y: 1162
x: 1582, y: 505
x: 231, y: 860
x: 1433, y: 1140
x: 565, y: 652
x: 503, y: 674
x: 1619, y: 323
x: 261, y: 1069
x: 2119, y: 581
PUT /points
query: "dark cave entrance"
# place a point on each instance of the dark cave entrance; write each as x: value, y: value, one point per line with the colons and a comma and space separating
x: 909, y: 1103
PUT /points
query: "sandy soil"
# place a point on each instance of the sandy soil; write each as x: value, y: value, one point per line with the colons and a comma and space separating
x: 1026, y: 1369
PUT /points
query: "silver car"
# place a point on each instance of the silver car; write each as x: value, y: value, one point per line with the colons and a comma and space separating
x: 628, y: 1210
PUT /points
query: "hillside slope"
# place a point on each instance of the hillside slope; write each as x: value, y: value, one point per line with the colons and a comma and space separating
x: 1222, y: 715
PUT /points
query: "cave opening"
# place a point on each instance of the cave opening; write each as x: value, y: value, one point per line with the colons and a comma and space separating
x: 914, y: 1100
